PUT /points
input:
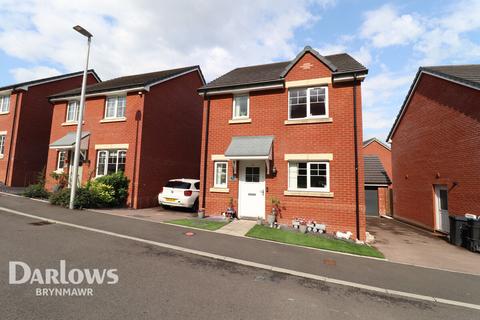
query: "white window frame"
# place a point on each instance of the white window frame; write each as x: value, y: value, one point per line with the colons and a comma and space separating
x: 234, y: 106
x: 59, y: 155
x: 105, y: 170
x: 308, y: 103
x: 75, y: 114
x: 4, y: 106
x: 116, y: 107
x: 3, y: 139
x: 222, y: 185
x: 309, y: 188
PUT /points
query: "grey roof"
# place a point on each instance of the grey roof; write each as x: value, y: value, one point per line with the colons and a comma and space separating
x: 49, y: 79
x: 374, y: 171
x: 68, y: 140
x: 467, y: 74
x: 138, y: 80
x: 253, y: 146
x: 384, y: 144
x: 275, y: 72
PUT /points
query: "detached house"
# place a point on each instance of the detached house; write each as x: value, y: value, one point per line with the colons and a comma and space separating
x: 288, y: 131
x: 436, y: 147
x: 25, y: 120
x: 147, y: 126
x: 377, y: 158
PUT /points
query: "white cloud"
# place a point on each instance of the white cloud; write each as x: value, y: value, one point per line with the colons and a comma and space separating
x: 386, y: 27
x: 328, y: 49
x: 140, y: 36
x: 38, y: 72
x: 363, y: 55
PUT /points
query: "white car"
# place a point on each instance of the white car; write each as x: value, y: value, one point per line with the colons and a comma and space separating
x: 180, y: 193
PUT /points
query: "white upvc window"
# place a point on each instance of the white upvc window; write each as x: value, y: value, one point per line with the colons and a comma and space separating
x: 241, y: 107
x: 73, y: 108
x: 221, y: 172
x: 4, y: 104
x: 3, y: 137
x: 61, y: 157
x: 306, y: 103
x: 110, y: 161
x: 309, y: 176
x: 115, y: 107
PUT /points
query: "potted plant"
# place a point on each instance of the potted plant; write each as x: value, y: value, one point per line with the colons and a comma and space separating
x: 230, y: 213
x: 272, y: 217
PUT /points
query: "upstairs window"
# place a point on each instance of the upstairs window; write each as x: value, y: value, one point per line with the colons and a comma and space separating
x: 72, y: 111
x: 111, y: 161
x: 305, y: 103
x: 309, y: 176
x: 115, y: 107
x: 2, y: 144
x: 241, y: 107
x: 4, y: 104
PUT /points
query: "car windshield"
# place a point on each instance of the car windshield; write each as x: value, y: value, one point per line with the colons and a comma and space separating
x: 178, y: 185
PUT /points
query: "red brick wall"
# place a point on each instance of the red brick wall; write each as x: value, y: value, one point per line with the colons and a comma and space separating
x: 438, y: 134
x: 268, y: 111
x: 385, y: 155
x: 382, y: 200
x: 32, y: 131
x: 171, y: 135
x: 162, y: 129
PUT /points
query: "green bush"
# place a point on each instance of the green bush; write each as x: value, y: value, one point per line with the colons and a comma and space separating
x: 119, y: 182
x: 84, y: 198
x: 61, y: 197
x: 36, y: 191
x: 104, y: 193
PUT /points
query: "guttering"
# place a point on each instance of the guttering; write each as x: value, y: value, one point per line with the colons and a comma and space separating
x: 355, y: 141
x: 205, y: 155
x: 98, y: 94
x: 242, y: 88
x: 376, y: 184
x: 347, y: 77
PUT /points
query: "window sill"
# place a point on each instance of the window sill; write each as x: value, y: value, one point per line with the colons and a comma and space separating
x: 236, y: 121
x: 318, y: 194
x: 2, y: 156
x: 73, y: 123
x: 306, y: 121
x: 4, y: 113
x: 113, y: 120
x: 220, y: 190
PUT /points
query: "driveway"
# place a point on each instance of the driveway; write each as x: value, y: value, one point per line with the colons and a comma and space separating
x: 155, y: 214
x: 402, y: 243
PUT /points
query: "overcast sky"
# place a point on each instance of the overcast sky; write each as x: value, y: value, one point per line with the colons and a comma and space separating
x: 391, y: 38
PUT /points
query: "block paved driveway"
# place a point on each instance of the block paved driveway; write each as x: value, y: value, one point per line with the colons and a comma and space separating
x: 402, y: 243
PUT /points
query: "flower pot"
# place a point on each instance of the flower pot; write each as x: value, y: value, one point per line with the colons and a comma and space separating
x: 201, y: 214
x: 271, y: 219
x: 303, y: 228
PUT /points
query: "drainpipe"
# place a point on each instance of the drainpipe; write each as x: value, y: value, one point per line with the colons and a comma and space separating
x: 355, y: 139
x: 7, y: 171
x: 205, y: 154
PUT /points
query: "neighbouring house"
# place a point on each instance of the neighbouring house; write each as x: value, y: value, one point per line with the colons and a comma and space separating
x: 377, y: 158
x: 288, y: 131
x: 25, y: 121
x: 147, y: 126
x: 435, y: 147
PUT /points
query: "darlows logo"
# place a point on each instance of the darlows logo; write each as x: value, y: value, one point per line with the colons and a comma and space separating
x: 21, y: 273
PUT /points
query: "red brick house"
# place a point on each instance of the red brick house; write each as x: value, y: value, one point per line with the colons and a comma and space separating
x: 286, y: 131
x: 25, y: 120
x: 377, y: 159
x: 146, y: 125
x: 435, y: 147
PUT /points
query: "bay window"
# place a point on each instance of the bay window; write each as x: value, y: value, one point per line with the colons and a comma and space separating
x: 220, y: 174
x: 115, y: 107
x: 309, y: 176
x: 110, y: 161
x: 304, y: 103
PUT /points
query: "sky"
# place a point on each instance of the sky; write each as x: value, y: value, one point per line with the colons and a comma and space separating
x: 391, y: 38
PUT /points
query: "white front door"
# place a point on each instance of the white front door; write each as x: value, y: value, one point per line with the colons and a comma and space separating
x: 251, y: 189
x: 442, y: 222
x: 79, y: 172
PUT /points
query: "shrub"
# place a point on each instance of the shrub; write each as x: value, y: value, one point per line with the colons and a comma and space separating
x: 36, y: 191
x: 104, y: 193
x: 119, y: 182
x: 61, y: 197
x: 84, y: 198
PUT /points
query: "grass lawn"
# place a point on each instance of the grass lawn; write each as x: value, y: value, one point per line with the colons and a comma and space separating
x: 308, y: 240
x: 199, y: 223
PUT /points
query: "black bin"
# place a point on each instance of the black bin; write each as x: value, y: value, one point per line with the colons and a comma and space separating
x: 458, y: 230
x: 474, y: 226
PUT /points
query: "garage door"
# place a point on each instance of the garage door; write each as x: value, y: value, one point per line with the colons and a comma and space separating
x: 371, y: 201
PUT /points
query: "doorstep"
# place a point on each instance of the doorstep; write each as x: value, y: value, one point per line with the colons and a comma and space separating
x: 237, y: 227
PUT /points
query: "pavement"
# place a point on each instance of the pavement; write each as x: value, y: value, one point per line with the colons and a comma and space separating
x: 237, y: 227
x: 155, y: 214
x: 353, y: 269
x: 403, y: 243
x: 159, y: 283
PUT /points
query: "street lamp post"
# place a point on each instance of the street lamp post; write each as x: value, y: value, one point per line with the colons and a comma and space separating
x: 78, y: 138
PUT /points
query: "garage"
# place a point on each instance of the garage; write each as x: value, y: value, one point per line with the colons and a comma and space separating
x: 377, y: 184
